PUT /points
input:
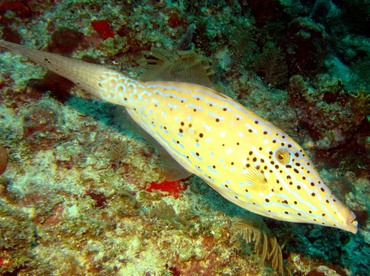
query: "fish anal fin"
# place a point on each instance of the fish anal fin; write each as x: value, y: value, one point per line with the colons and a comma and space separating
x: 172, y: 169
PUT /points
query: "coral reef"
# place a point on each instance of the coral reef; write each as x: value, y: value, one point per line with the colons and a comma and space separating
x: 81, y: 195
x: 3, y: 159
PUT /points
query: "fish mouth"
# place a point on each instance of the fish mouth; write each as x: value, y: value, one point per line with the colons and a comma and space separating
x: 348, y: 222
x: 352, y: 226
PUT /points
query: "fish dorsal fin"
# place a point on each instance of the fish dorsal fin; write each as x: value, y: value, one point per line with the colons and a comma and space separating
x: 181, y: 70
x: 172, y: 169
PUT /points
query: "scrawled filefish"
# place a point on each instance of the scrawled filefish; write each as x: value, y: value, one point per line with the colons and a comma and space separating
x: 245, y: 158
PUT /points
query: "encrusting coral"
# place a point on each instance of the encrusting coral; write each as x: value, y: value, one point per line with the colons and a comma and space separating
x: 3, y: 159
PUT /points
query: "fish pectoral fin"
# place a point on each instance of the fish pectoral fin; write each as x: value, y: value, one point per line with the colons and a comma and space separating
x: 257, y: 180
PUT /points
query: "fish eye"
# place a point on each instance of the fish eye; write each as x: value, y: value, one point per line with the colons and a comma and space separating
x: 282, y: 156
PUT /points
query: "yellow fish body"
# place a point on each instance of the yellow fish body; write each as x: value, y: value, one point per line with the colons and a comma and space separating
x: 245, y: 158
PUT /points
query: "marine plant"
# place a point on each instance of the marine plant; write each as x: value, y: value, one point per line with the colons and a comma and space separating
x: 362, y: 103
x: 265, y: 246
x: 356, y: 14
x: 271, y: 65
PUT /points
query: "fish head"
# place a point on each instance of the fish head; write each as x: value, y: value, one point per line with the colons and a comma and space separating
x: 291, y: 189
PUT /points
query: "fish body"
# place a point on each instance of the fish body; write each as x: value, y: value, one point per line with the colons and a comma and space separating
x: 245, y: 158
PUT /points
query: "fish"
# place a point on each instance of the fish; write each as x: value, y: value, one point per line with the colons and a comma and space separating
x: 245, y: 158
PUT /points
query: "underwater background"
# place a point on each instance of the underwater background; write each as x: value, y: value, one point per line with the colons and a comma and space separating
x: 82, y: 195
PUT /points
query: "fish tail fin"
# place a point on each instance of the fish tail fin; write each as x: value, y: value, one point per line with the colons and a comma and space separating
x: 98, y: 80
